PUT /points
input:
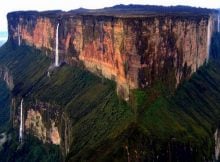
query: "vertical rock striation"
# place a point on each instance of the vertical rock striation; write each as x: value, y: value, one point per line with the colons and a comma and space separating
x: 41, y: 120
x: 135, y: 51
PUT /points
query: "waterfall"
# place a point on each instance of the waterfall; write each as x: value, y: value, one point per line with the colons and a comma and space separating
x: 57, y: 44
x: 21, y: 123
x: 19, y: 36
x: 208, y: 38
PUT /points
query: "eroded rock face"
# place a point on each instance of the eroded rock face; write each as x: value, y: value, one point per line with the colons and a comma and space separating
x: 133, y: 51
x: 41, y: 36
x: 34, y: 123
x: 39, y: 124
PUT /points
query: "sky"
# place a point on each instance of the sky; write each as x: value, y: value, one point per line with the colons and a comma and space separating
x: 41, y: 5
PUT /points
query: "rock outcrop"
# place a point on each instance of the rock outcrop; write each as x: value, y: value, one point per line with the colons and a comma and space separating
x: 135, y: 51
x: 41, y: 120
x: 34, y: 122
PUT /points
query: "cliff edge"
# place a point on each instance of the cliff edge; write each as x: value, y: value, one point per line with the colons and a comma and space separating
x: 133, y: 46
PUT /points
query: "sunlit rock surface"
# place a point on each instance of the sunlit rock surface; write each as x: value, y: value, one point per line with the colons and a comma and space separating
x: 135, y: 51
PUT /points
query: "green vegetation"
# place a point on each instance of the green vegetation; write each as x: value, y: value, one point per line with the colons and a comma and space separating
x: 155, y: 125
x: 5, y: 100
x: 90, y: 102
x: 31, y: 150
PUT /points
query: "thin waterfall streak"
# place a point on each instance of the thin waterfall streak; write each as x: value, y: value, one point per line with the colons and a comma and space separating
x: 57, y: 45
x: 21, y: 122
x: 208, y: 39
x: 19, y: 36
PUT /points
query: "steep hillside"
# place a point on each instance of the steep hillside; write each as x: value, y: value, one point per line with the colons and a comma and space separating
x: 77, y: 95
x: 72, y: 112
x: 5, y: 100
x: 95, y: 125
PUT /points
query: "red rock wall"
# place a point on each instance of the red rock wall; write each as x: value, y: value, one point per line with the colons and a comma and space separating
x: 135, y: 51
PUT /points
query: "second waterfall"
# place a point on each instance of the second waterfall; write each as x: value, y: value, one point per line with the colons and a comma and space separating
x: 21, y: 123
x: 57, y: 44
x: 208, y: 39
x: 19, y: 36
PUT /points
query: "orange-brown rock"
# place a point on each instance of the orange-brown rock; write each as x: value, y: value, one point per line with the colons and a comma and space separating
x: 54, y: 135
x: 135, y: 51
x: 43, y: 27
x: 34, y: 122
x: 42, y: 126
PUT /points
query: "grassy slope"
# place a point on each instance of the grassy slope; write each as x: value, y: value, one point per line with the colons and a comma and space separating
x: 89, y: 101
x: 25, y: 63
x: 184, y: 121
x: 102, y: 124
x: 31, y: 150
x: 4, y: 104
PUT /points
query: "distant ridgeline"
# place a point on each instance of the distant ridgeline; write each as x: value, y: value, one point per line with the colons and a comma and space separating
x: 59, y: 106
x: 133, y: 45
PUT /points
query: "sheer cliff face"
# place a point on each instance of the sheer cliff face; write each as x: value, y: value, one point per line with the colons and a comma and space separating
x: 133, y: 51
x: 43, y: 125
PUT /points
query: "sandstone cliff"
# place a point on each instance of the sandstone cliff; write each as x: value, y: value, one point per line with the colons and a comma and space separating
x: 41, y: 120
x: 72, y: 109
x: 134, y: 50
